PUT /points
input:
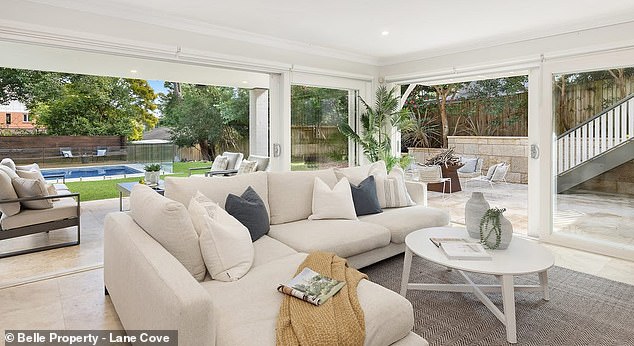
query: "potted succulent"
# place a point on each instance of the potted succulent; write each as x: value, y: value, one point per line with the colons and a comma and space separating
x: 152, y: 173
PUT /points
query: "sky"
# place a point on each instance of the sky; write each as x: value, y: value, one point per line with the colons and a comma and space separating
x: 157, y: 85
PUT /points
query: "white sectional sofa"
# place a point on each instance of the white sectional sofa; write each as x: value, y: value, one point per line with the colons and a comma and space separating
x: 151, y: 289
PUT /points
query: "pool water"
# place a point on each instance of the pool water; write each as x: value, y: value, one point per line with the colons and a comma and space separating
x: 93, y: 171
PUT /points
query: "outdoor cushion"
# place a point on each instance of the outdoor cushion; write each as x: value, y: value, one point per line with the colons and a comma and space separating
x: 63, y: 209
x: 11, y: 173
x: 168, y: 222
x: 402, y: 221
x: 343, y: 237
x: 32, y: 188
x: 30, y: 174
x: 67, y: 153
x: 247, y: 166
x: 217, y: 188
x: 262, y: 162
x: 291, y: 193
x: 8, y: 162
x: 8, y: 192
x: 30, y: 167
x: 250, y: 210
x: 233, y: 159
x: 335, y: 203
x: 267, y: 249
x: 220, y: 163
x: 388, y: 316
x: 469, y: 165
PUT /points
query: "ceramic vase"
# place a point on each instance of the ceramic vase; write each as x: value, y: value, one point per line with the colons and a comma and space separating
x: 506, y: 229
x: 474, y: 211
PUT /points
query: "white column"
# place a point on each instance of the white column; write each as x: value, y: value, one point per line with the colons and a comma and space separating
x: 280, y: 108
x: 259, y: 122
x: 534, y: 136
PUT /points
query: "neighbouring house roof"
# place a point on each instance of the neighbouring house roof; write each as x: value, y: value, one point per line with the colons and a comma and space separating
x: 14, y: 106
x: 150, y: 141
x: 162, y: 133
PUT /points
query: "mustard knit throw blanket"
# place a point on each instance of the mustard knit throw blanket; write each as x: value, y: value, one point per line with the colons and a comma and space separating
x: 339, y: 321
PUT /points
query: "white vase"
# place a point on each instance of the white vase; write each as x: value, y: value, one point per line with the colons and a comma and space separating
x: 506, y: 229
x: 475, y: 208
x: 152, y: 178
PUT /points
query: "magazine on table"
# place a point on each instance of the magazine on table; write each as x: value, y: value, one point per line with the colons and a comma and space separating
x: 461, y: 249
x: 312, y: 287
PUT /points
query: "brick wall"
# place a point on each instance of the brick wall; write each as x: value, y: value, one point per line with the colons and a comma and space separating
x: 513, y: 150
x: 17, y: 121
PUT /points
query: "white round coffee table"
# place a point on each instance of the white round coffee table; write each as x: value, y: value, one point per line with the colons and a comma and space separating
x: 521, y: 257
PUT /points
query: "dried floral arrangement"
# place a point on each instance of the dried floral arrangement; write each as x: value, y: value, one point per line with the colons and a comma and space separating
x: 446, y: 158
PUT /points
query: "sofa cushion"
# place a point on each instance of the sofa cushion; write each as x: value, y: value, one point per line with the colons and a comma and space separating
x: 65, y: 208
x: 168, y: 222
x: 225, y: 243
x: 250, y: 210
x: 247, y: 167
x: 32, y: 188
x: 219, y: 163
x: 233, y: 159
x: 403, y: 221
x: 356, y: 174
x: 291, y: 193
x: 8, y: 192
x: 216, y: 188
x: 343, y: 237
x: 7, y: 162
x: 388, y: 316
x: 267, y: 249
x: 365, y: 198
x: 335, y: 203
x: 30, y: 174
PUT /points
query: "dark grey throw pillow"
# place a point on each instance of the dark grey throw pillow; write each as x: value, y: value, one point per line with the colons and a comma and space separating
x: 365, y: 198
x: 250, y: 210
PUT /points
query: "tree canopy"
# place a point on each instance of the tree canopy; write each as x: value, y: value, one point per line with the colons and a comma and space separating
x: 73, y: 104
x: 213, y: 117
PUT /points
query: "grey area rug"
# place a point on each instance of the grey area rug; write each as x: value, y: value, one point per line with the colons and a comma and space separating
x: 583, y: 309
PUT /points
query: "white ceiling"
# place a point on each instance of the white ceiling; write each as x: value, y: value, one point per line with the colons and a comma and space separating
x: 416, y: 27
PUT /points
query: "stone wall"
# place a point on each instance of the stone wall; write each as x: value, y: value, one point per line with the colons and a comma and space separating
x: 513, y: 150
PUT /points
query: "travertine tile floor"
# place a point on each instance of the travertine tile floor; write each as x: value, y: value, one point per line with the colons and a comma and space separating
x: 63, y: 288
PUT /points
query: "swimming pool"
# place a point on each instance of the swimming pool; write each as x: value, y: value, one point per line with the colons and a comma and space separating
x: 93, y: 171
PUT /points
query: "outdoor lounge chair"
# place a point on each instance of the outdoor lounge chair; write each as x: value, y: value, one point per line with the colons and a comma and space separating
x: 495, y: 174
x: 66, y: 152
x: 234, y: 160
x: 469, y: 170
x: 101, y: 152
x: 433, y: 175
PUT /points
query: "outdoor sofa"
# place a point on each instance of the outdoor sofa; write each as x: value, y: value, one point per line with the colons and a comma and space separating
x: 151, y: 289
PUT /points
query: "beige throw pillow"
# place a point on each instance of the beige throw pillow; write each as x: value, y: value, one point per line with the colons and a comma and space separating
x: 335, y: 203
x: 391, y: 189
x: 8, y: 192
x: 8, y: 163
x: 220, y: 163
x: 25, y: 188
x: 357, y: 174
x: 247, y: 166
x: 225, y: 243
x: 168, y: 222
x: 30, y: 174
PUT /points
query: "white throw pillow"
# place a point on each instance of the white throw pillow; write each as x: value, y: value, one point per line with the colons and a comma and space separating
x: 30, y: 174
x: 220, y: 163
x: 32, y: 188
x: 335, y: 203
x: 391, y: 189
x: 168, y: 222
x: 247, y: 167
x: 8, y: 162
x: 357, y: 174
x: 8, y: 192
x: 225, y: 243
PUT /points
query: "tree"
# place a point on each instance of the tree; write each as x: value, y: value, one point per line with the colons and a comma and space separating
x: 73, y: 104
x: 208, y: 116
x: 445, y: 93
x: 379, y: 125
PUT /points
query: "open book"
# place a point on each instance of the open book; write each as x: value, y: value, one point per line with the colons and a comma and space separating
x: 311, y: 287
x: 461, y: 249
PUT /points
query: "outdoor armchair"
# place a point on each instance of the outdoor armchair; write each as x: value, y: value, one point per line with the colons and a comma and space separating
x: 234, y: 160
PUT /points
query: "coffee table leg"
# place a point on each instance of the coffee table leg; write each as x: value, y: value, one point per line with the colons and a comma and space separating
x: 543, y: 281
x: 407, y: 266
x: 508, y: 300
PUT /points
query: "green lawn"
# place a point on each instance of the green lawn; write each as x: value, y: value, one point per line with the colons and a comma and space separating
x: 102, y: 189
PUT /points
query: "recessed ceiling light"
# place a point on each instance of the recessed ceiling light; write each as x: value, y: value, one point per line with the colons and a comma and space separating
x: 385, y: 33
x: 133, y: 71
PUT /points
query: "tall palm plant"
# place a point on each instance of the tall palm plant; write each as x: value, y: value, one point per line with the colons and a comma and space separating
x: 379, y: 125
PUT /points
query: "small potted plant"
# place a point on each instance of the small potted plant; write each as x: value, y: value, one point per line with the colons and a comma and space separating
x: 152, y: 173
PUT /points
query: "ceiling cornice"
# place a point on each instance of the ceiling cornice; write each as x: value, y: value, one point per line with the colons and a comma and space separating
x: 199, y: 27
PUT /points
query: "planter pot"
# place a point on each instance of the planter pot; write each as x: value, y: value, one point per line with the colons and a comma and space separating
x: 152, y: 178
x: 475, y: 208
x: 448, y: 172
x: 506, y: 229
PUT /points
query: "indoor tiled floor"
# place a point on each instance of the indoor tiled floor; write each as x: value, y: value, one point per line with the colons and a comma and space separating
x: 63, y: 288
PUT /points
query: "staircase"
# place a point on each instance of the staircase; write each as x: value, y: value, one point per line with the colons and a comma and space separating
x: 597, y: 145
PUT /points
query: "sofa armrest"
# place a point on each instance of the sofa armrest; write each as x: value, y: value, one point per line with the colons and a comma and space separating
x: 150, y: 289
x: 418, y: 191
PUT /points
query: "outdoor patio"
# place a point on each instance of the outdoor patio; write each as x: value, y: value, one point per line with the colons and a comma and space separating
x: 582, y: 213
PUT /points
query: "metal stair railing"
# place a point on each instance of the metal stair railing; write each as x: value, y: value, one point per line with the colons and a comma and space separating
x: 595, y: 136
